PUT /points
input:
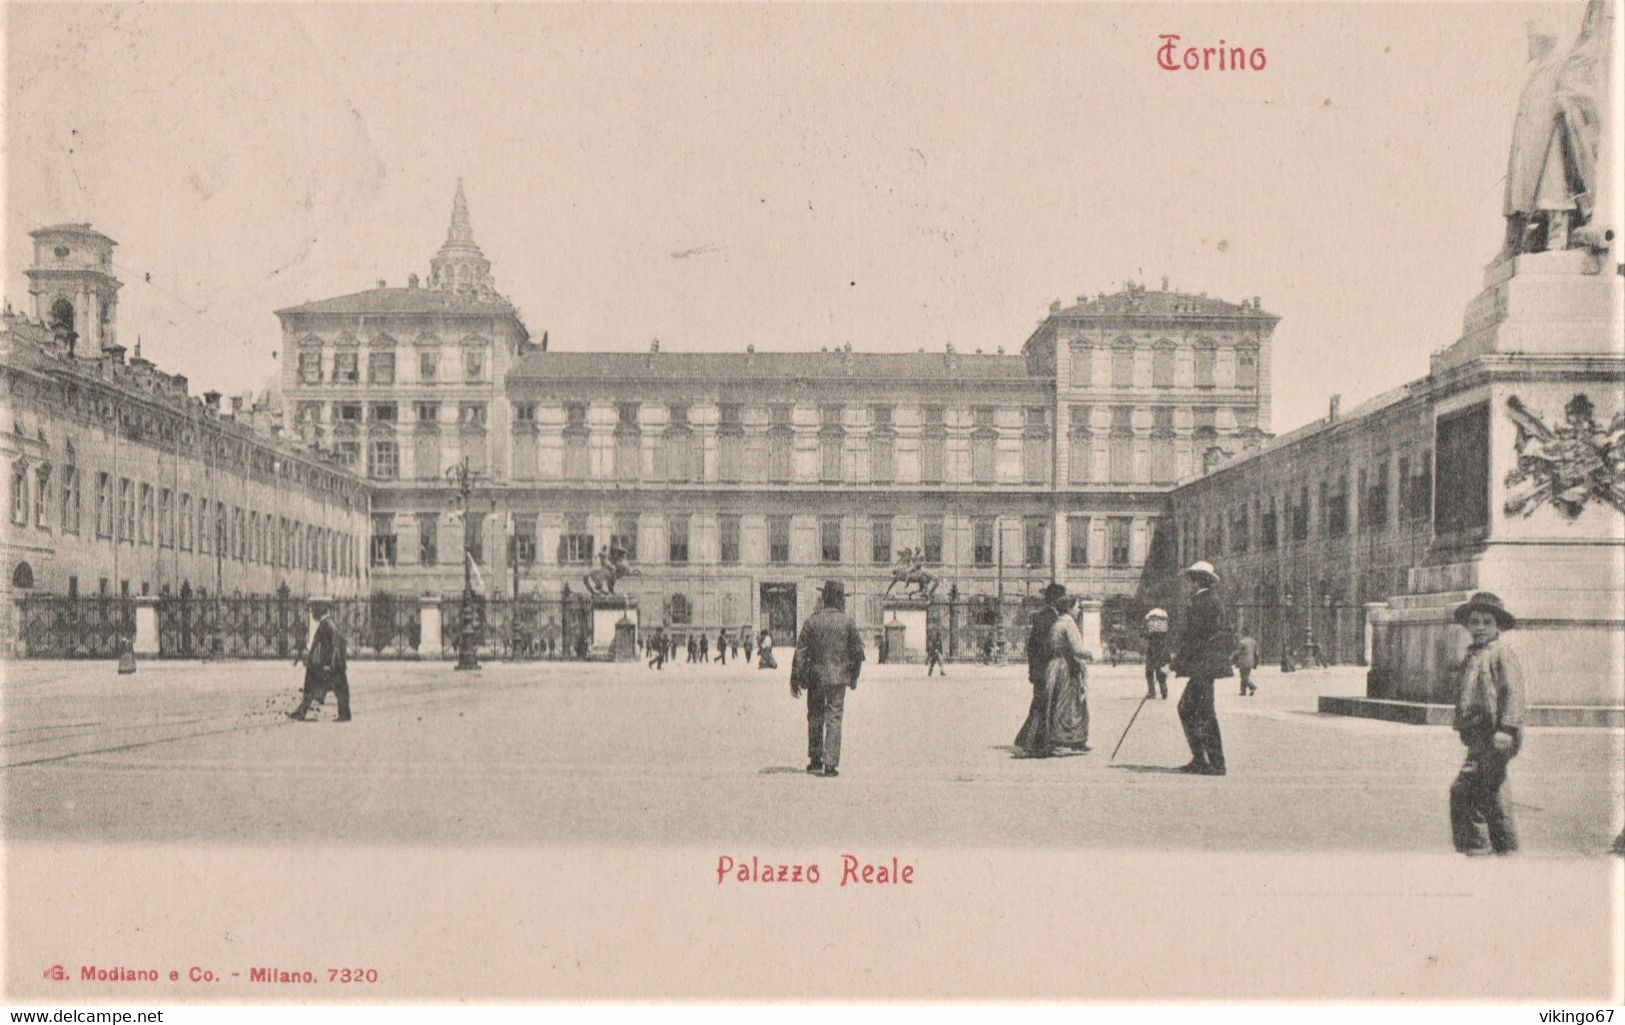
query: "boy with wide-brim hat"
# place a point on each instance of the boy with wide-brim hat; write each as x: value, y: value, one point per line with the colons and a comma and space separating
x: 1489, y: 718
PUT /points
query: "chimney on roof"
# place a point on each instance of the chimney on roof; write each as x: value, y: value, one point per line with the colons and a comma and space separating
x: 1165, y: 282
x: 411, y: 281
x: 1336, y: 408
x: 750, y: 354
x: 211, y: 398
x: 654, y: 350
x: 1055, y: 307
x: 236, y: 405
x: 1256, y: 302
x: 381, y: 283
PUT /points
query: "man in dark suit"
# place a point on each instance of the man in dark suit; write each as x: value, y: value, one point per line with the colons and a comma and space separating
x: 325, y: 666
x: 829, y: 655
x: 1038, y: 652
x: 1202, y: 654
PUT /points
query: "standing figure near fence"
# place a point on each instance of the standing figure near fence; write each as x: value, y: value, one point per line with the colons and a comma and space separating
x: 722, y: 647
x: 1202, y: 655
x: 1245, y: 660
x: 1155, y: 628
x: 1489, y: 720
x: 933, y: 653
x: 657, y: 644
x: 749, y: 637
x: 326, y: 666
x: 764, y: 648
x: 829, y: 656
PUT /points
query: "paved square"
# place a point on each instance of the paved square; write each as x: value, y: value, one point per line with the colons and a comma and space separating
x: 539, y: 754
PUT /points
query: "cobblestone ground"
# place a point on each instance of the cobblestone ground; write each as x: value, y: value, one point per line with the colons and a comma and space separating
x: 545, y: 754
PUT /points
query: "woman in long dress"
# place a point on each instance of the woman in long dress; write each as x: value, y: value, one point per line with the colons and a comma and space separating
x: 1059, y: 717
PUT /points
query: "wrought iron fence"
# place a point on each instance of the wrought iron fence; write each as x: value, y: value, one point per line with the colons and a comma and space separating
x: 982, y: 627
x: 60, y: 626
x: 525, y: 628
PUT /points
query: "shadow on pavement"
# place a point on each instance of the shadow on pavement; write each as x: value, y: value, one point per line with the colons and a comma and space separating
x: 779, y: 770
x: 1150, y: 769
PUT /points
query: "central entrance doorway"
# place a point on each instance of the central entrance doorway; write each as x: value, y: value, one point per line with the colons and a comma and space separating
x: 779, y: 613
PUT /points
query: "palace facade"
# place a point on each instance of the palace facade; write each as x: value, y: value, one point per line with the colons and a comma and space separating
x: 737, y: 482
x: 122, y: 484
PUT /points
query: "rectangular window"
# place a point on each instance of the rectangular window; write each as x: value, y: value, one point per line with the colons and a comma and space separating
x: 880, y: 550
x: 1119, y: 529
x: 1121, y: 452
x: 42, y: 497
x: 931, y: 538
x: 186, y: 523
x: 680, y: 461
x: 1268, y: 527
x: 829, y: 538
x: 1035, y: 541
x: 1077, y: 541
x: 383, y: 540
x: 576, y: 459
x: 428, y: 413
x: 1035, y: 458
x: 384, y: 412
x: 347, y: 367
x: 983, y: 454
x: 628, y: 454
x: 1300, y: 516
x: 1083, y: 358
x: 471, y: 414
x: 384, y: 459
x: 982, y: 542
x: 310, y: 367
x: 428, y: 365
x: 166, y: 518
x: 728, y: 539
x: 349, y: 412
x: 126, y: 501
x: 19, y: 494
x: 780, y: 447
x: 473, y: 365
x: 381, y: 368
x: 1239, y: 534
x: 575, y: 543
x: 1337, y: 513
x: 426, y: 455
x: 1206, y: 359
x: 1246, y: 368
x: 830, y: 444
x: 677, y: 538
x: 70, y: 499
x: 778, y: 539
x: 933, y: 458
x: 524, y: 539
x: 730, y: 454
x: 1123, y: 365
x: 1080, y: 456
x: 524, y: 412
x: 1162, y: 458
x: 1376, y: 517
x: 1162, y: 367
x: 147, y: 514
x: 882, y: 457
x: 428, y: 539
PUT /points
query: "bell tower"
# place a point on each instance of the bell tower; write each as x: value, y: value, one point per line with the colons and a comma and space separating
x: 74, y: 289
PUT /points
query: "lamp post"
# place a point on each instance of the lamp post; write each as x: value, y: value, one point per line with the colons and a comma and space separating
x: 467, y: 636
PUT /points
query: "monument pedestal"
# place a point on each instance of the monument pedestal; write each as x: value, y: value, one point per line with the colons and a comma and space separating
x: 906, y: 620
x: 607, y: 613
x: 1529, y: 496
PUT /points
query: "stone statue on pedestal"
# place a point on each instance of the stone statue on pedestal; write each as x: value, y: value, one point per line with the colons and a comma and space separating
x: 1552, y: 173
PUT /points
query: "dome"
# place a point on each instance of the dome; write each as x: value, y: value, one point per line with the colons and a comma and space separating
x: 269, y: 394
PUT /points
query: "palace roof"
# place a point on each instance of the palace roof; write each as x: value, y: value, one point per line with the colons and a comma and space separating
x: 408, y: 301
x: 833, y: 365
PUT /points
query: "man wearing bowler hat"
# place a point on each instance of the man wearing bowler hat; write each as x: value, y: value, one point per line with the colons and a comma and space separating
x: 1489, y: 719
x: 1202, y: 655
x: 829, y: 654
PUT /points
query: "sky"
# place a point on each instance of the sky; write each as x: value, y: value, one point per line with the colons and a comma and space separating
x: 787, y: 176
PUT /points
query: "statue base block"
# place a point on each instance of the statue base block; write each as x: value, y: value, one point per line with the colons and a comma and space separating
x: 911, y: 617
x: 607, y: 613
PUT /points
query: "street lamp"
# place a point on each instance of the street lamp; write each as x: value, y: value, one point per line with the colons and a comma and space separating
x: 467, y: 637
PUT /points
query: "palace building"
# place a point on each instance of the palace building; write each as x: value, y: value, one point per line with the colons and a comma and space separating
x: 736, y: 482
x: 121, y: 484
